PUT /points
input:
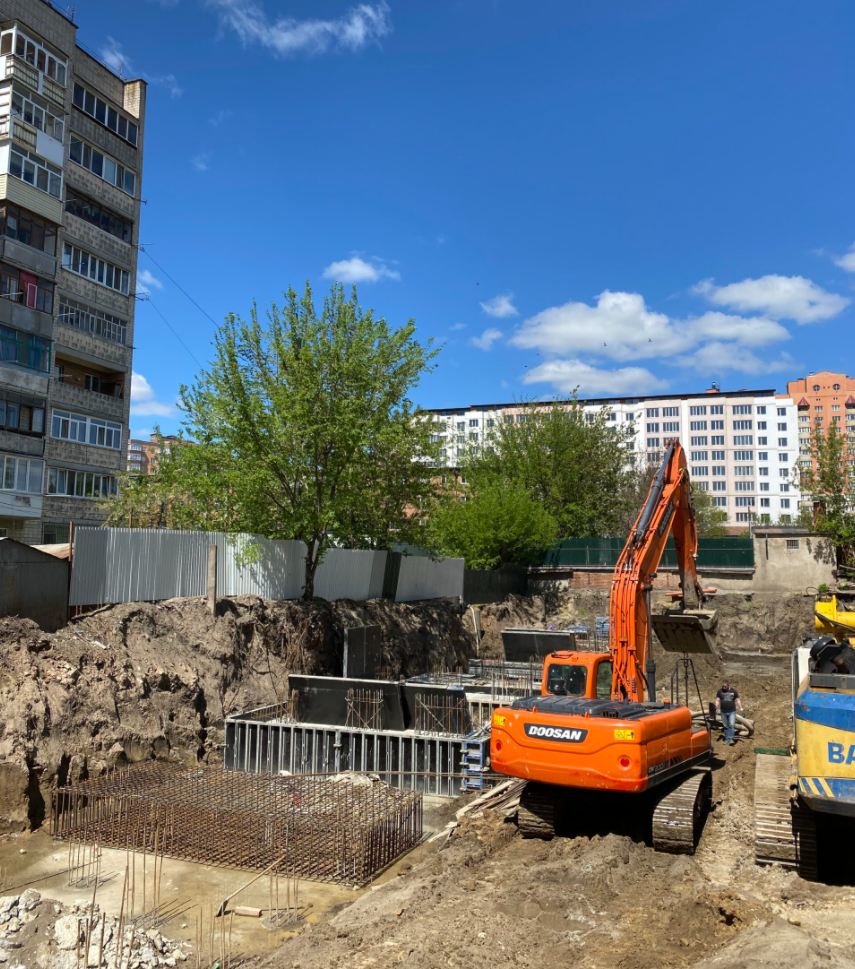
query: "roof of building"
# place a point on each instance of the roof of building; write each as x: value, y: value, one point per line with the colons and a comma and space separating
x: 602, y: 401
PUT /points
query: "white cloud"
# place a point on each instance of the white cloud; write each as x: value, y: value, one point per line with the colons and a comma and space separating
x: 716, y: 357
x: 567, y: 375
x: 141, y: 433
x: 621, y: 327
x: 117, y: 60
x: 363, y: 24
x: 847, y: 260
x: 456, y: 327
x: 143, y: 401
x: 147, y: 281
x: 500, y: 306
x: 358, y: 270
x: 781, y: 297
x: 220, y: 117
x: 486, y: 340
x: 200, y: 162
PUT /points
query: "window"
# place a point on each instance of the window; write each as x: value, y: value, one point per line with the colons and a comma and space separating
x: 671, y: 427
x: 743, y: 486
x: 816, y: 388
x: 742, y: 502
x: 762, y: 455
x: 652, y: 411
x: 700, y: 455
x: 717, y: 409
x: 720, y: 502
x: 34, y: 114
x: 718, y: 455
x: 744, y: 470
x: 762, y: 441
x: 743, y: 455
x: 473, y: 435
x: 717, y: 439
x: 653, y: 428
x: 699, y: 441
x: 818, y: 408
x: 719, y: 485
x: 742, y: 409
x: 34, y: 170
x: 604, y: 680
x: 761, y: 408
x: 652, y: 442
x: 670, y: 411
x: 106, y: 115
x: 783, y: 472
x: 104, y: 273
x: 701, y: 485
x: 91, y: 211
x: 764, y: 485
x: 94, y: 321
x: 23, y: 415
x: 761, y: 425
x: 698, y: 411
x: 782, y: 412
x: 782, y: 425
x: 763, y: 472
x: 29, y: 229
x: 34, y: 54
x: 792, y: 544
x: 782, y: 442
x: 804, y: 419
x: 785, y: 502
x: 742, y: 425
x: 509, y: 418
x: 564, y: 680
x: 700, y: 471
x: 21, y: 474
x: 742, y: 439
x: 521, y: 418
x: 718, y: 470
x: 490, y: 422
x: 716, y: 425
x: 697, y: 425
x: 785, y: 487
x: 765, y: 502
x: 434, y: 438
x: 24, y: 349
x: 743, y: 516
x: 102, y: 165
x: 22, y: 287
x: 80, y: 484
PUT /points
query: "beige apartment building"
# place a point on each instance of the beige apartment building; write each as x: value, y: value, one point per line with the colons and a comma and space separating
x: 71, y: 146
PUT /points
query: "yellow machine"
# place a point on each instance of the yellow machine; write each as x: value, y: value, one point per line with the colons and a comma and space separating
x: 818, y: 778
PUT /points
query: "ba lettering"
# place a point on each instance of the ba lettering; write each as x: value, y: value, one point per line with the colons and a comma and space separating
x: 838, y: 755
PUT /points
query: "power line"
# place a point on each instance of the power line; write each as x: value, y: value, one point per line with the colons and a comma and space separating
x: 165, y: 273
x: 174, y: 333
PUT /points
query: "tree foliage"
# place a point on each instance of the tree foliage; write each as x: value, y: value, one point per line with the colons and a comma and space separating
x: 711, y: 521
x: 498, y: 524
x: 305, y: 429
x: 830, y: 484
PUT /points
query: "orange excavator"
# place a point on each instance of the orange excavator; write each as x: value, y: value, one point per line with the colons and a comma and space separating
x: 592, y: 728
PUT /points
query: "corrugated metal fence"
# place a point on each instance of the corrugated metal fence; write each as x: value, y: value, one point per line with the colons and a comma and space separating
x: 603, y: 553
x: 142, y: 565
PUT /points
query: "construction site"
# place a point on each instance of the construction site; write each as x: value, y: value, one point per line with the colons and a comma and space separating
x: 553, y: 777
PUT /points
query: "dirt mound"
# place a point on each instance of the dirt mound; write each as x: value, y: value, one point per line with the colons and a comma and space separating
x: 778, y: 946
x: 145, y: 680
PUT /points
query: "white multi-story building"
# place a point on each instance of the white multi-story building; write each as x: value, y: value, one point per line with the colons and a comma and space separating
x: 742, y: 446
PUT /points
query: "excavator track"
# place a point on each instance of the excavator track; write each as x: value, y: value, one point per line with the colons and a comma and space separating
x: 784, y: 830
x: 537, y: 813
x: 679, y: 816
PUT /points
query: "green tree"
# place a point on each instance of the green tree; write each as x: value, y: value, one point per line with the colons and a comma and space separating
x: 305, y: 429
x: 829, y: 482
x: 711, y: 521
x: 574, y: 465
x: 490, y: 526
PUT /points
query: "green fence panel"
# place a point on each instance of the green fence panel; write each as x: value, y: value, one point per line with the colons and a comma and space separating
x: 603, y: 553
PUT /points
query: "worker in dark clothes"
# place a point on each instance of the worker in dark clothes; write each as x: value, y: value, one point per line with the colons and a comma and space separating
x: 727, y: 702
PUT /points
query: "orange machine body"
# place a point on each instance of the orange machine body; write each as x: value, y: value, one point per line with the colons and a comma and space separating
x: 591, y: 727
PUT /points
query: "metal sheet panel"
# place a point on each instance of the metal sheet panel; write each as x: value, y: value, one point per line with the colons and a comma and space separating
x: 346, y: 573
x: 424, y: 578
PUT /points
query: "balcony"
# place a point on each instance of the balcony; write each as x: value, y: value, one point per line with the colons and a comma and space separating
x: 25, y: 134
x: 18, y: 69
x: 72, y: 391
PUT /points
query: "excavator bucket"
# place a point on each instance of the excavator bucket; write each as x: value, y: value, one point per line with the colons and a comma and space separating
x: 685, y: 632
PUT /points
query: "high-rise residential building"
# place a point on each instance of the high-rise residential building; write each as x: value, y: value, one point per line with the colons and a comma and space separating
x: 71, y: 146
x: 143, y: 455
x: 823, y: 399
x: 742, y: 445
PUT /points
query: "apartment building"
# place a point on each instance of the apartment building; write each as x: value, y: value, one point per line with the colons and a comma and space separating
x: 742, y: 445
x: 823, y: 399
x: 143, y: 455
x: 71, y: 145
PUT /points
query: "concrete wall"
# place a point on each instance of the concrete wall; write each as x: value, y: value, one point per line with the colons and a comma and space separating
x: 33, y: 585
x: 782, y: 569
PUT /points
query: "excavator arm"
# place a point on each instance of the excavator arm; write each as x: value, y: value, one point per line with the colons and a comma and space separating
x: 668, y: 510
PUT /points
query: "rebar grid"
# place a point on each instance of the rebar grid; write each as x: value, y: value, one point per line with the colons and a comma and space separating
x: 442, y: 715
x: 341, y: 829
x: 364, y: 709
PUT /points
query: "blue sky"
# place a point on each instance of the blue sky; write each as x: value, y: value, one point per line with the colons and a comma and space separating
x: 629, y: 197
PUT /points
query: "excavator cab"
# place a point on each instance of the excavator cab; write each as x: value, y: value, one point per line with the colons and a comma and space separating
x: 573, y: 674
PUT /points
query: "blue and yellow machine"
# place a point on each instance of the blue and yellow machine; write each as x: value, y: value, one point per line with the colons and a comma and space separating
x: 819, y: 776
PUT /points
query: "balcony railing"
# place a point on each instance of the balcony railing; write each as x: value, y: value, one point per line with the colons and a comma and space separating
x: 107, y: 388
x: 22, y: 132
x: 20, y: 70
x: 24, y: 354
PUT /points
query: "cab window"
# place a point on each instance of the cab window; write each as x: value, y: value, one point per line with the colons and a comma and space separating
x: 564, y: 680
x: 604, y: 680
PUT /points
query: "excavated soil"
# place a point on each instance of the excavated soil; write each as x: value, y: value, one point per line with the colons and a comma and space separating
x: 137, y: 681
